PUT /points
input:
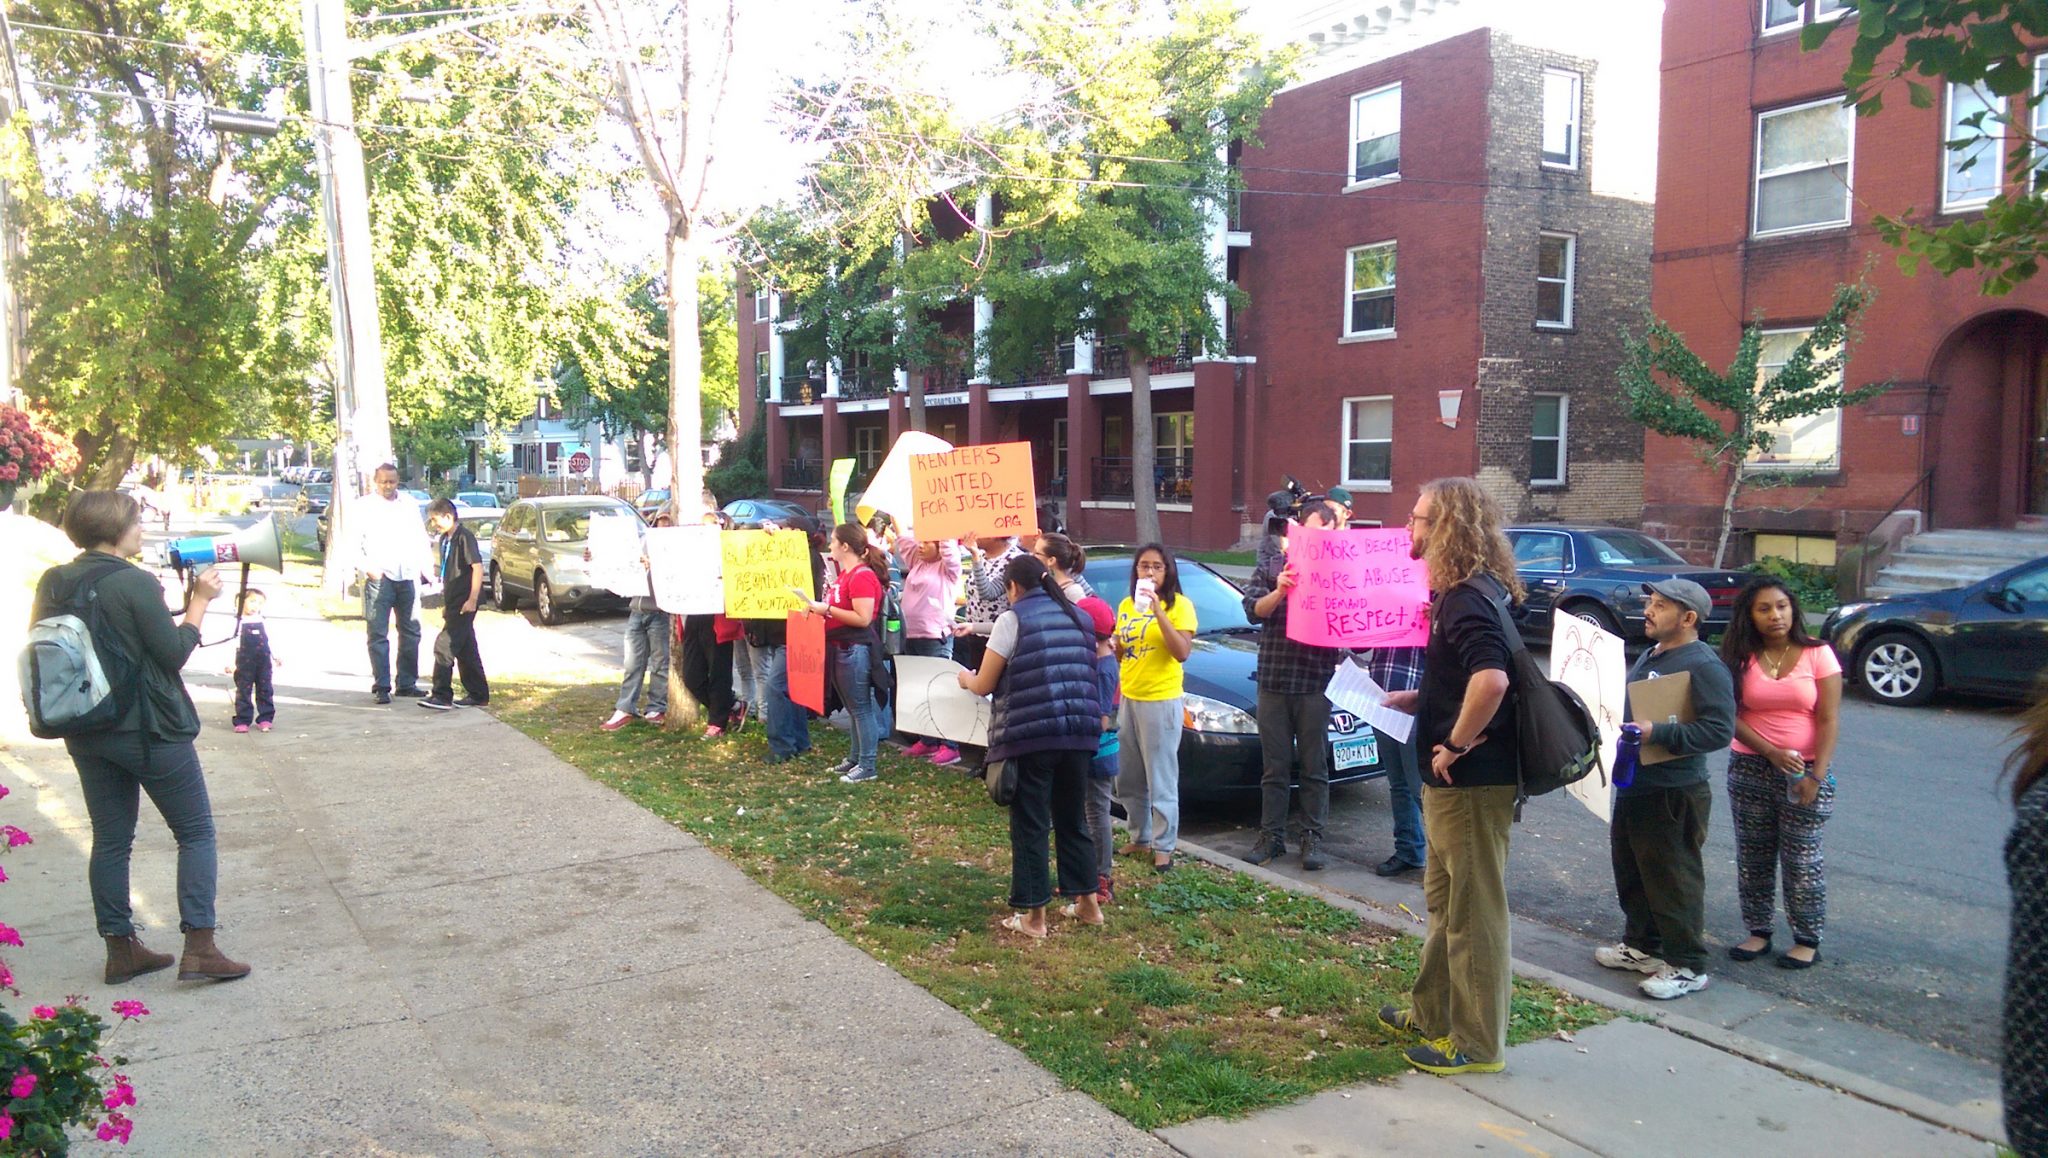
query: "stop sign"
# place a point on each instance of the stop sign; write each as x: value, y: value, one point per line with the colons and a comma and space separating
x: 579, y: 463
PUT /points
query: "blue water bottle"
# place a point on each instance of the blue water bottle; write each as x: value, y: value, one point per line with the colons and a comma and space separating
x: 1628, y: 752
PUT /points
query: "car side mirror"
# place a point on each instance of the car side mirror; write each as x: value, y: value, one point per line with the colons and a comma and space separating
x: 2004, y: 598
x: 523, y: 536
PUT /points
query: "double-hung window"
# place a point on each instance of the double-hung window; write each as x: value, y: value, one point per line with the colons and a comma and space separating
x: 1813, y: 442
x: 1561, y: 89
x: 1369, y: 293
x: 1369, y: 441
x: 1547, y: 423
x: 1782, y: 15
x: 761, y: 373
x: 761, y: 305
x: 1802, y: 167
x: 1376, y: 135
x: 1556, y: 255
x: 1971, y: 174
x: 867, y: 450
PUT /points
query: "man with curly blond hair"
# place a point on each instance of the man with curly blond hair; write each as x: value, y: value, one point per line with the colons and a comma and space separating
x: 1459, y: 1004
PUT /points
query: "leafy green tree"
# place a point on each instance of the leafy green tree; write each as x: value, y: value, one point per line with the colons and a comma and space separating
x: 1732, y: 415
x: 1984, y: 43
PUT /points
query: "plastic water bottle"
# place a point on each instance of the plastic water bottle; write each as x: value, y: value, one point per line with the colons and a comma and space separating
x: 1628, y: 752
x: 1792, y: 780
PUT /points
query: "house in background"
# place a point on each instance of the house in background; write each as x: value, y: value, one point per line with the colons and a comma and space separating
x: 1444, y: 230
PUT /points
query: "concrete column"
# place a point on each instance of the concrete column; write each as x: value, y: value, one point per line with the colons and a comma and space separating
x: 831, y: 377
x: 981, y: 416
x: 1084, y: 355
x: 778, y: 441
x: 1084, y: 442
x: 776, y: 365
x: 1215, y: 524
x: 984, y: 309
x: 831, y: 440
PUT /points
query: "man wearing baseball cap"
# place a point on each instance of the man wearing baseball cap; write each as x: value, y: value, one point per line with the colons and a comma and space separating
x: 1660, y: 820
x: 1340, y: 499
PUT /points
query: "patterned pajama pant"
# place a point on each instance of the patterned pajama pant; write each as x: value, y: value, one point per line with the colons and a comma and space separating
x: 1774, y: 835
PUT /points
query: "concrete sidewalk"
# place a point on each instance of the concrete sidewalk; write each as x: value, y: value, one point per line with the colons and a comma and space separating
x: 464, y: 946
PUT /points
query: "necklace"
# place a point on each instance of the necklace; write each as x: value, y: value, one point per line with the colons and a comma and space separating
x: 1778, y: 662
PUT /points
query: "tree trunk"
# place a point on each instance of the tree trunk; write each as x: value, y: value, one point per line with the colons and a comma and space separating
x: 685, y: 426
x: 1144, y: 449
x: 1728, y: 513
x: 916, y: 392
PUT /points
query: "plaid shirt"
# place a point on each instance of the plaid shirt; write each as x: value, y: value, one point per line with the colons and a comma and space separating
x: 1397, y: 669
x: 1285, y: 666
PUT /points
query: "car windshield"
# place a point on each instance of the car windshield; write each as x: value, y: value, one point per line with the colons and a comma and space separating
x: 481, y: 528
x: 1219, y: 606
x: 571, y: 524
x: 319, y: 490
x: 1629, y: 549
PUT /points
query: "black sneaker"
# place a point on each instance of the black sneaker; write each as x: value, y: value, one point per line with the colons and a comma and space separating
x: 1312, y: 859
x: 1394, y: 866
x: 466, y: 702
x: 411, y: 693
x: 1269, y: 848
x: 381, y: 697
x: 438, y: 704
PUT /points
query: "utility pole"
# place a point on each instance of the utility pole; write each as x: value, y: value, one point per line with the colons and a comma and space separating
x: 11, y: 319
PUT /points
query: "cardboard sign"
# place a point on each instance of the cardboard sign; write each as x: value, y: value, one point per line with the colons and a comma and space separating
x: 931, y: 702
x: 1356, y: 589
x: 805, y: 657
x: 615, y: 554
x: 842, y: 473
x: 974, y: 490
x: 683, y: 564
x: 1590, y: 662
x: 889, y: 490
x: 760, y: 569
x: 1662, y: 700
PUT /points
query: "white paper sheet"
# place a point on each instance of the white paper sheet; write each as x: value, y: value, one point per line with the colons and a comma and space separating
x: 615, y: 554
x: 931, y: 702
x: 1352, y: 689
x: 1591, y: 662
x: 684, y: 563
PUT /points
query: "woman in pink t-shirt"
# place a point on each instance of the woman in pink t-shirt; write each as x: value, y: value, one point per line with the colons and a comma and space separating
x: 1781, y: 783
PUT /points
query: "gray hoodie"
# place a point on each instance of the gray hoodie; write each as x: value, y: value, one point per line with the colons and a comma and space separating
x: 1713, y: 709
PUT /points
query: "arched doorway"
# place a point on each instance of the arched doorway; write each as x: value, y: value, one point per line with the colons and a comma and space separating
x: 1992, y: 435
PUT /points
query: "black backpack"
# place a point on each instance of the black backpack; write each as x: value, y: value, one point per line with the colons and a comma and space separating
x: 1557, y: 739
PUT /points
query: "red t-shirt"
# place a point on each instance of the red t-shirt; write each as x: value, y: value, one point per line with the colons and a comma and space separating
x: 1781, y: 710
x: 859, y: 583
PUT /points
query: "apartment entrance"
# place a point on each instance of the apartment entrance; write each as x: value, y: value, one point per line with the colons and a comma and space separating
x: 1993, y: 441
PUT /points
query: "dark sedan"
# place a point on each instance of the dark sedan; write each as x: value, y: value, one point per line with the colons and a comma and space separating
x: 750, y: 513
x: 1220, y: 756
x: 1989, y: 637
x: 1597, y: 574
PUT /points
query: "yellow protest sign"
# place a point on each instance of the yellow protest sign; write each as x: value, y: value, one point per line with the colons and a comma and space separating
x: 760, y: 569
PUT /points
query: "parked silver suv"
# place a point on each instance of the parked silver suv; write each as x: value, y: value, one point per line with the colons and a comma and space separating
x: 541, y: 551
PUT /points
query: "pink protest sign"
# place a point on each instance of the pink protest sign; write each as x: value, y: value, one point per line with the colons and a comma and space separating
x: 1356, y: 589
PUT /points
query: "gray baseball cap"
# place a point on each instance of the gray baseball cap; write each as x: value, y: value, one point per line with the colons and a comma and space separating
x: 1685, y: 593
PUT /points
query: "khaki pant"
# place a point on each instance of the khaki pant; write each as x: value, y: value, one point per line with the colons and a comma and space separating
x: 1462, y: 987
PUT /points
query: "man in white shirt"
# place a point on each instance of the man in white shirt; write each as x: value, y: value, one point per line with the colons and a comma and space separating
x: 391, y: 544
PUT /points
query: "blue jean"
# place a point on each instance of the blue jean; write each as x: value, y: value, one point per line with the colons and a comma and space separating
x: 789, y: 726
x: 850, y: 675
x: 114, y: 770
x: 382, y: 598
x: 647, y: 635
x: 1404, y: 793
x: 746, y: 673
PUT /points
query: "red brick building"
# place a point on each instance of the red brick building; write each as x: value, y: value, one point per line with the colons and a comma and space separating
x: 1767, y: 189
x: 1436, y: 280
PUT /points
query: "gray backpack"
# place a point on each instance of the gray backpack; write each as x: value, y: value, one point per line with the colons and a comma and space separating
x: 74, y: 676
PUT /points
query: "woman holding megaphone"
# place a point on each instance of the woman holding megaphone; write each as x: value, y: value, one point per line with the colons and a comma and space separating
x: 149, y: 747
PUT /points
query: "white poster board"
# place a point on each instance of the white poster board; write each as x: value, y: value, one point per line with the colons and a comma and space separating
x: 684, y: 564
x: 889, y: 490
x: 931, y: 702
x: 1591, y: 662
x: 615, y: 554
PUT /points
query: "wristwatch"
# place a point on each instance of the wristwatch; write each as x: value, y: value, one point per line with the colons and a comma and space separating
x: 1454, y: 748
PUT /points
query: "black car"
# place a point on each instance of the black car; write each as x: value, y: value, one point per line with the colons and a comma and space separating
x: 1597, y: 574
x: 747, y: 514
x: 1220, y: 755
x: 1989, y: 637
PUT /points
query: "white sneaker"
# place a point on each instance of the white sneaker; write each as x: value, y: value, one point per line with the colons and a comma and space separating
x: 1673, y: 983
x: 1623, y: 957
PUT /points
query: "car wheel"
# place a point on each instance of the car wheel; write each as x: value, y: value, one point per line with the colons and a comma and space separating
x: 501, y: 594
x: 544, y: 600
x: 1596, y: 615
x: 1898, y: 669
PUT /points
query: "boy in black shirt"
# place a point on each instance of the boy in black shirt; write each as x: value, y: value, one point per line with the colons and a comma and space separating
x: 462, y: 584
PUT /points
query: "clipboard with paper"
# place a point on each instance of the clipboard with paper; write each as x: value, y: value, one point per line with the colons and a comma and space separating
x: 1660, y: 700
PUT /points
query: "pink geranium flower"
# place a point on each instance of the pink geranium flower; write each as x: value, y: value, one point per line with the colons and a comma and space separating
x: 6, y: 1126
x: 23, y: 1085
x: 15, y: 837
x: 130, y: 1010
x: 46, y: 1012
x: 9, y: 935
x: 122, y: 1094
x: 116, y: 1129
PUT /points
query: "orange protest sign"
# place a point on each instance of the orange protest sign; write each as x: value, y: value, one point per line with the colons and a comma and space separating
x: 805, y: 656
x: 974, y: 490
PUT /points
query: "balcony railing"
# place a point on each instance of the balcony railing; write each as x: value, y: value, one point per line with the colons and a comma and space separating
x: 794, y: 388
x: 803, y: 474
x: 1173, y: 478
x: 1112, y: 360
x: 866, y: 385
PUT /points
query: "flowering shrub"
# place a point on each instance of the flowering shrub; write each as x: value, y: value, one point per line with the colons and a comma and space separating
x: 29, y: 449
x: 55, y: 1076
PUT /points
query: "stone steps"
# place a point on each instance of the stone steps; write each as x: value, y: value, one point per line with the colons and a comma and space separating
x: 1939, y: 560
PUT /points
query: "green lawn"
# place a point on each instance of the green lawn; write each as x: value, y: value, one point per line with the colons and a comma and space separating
x: 1226, y: 558
x: 1206, y: 993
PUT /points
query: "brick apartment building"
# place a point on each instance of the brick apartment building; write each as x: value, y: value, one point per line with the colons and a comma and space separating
x: 1767, y: 188
x: 1439, y: 248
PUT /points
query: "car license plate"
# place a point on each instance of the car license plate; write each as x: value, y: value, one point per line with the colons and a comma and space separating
x: 1353, y: 743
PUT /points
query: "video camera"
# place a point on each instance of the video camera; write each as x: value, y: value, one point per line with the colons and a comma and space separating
x: 1284, y: 506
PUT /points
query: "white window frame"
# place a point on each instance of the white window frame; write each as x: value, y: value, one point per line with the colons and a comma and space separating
x: 1993, y: 144
x: 1350, y: 259
x: 1572, y: 122
x: 1059, y: 449
x: 1563, y: 438
x: 761, y: 365
x: 1757, y: 175
x: 1182, y: 445
x: 1570, y: 279
x: 1353, y: 180
x: 867, y: 443
x: 1378, y: 486
x: 761, y: 311
x: 1810, y: 12
x: 1763, y: 371
x: 2040, y: 119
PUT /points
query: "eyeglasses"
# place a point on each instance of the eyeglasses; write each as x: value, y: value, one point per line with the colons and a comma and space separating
x: 1414, y: 519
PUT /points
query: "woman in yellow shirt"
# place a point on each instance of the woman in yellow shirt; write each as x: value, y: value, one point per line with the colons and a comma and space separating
x: 1155, y: 631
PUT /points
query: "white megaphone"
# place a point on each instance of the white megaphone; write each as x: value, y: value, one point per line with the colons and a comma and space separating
x: 257, y: 545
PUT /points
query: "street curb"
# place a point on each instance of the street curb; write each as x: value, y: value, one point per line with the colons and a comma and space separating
x: 1925, y: 1109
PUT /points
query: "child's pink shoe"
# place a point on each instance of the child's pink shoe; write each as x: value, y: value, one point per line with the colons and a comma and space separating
x: 241, y: 728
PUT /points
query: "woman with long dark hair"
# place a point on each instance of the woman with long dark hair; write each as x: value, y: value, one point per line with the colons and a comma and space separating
x: 1155, y: 632
x: 2026, y: 967
x: 851, y: 644
x: 1040, y: 667
x: 1781, y: 782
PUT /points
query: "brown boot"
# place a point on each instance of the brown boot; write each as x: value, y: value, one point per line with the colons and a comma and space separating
x: 128, y: 958
x: 203, y: 960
